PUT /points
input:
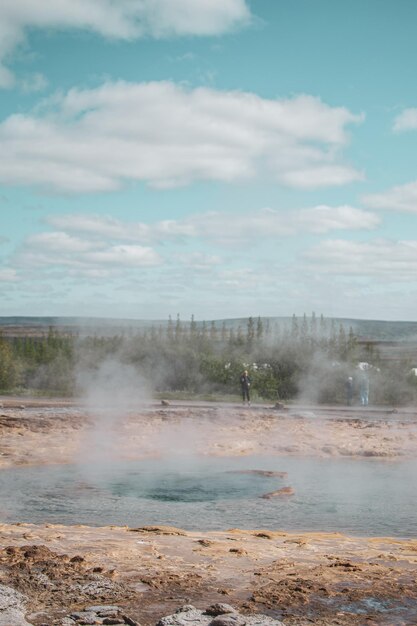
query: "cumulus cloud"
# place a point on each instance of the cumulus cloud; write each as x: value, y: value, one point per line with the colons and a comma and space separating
x: 383, y: 260
x: 326, y: 175
x: 58, y: 242
x: 407, y: 120
x: 95, y: 257
x: 166, y: 135
x: 124, y: 19
x: 110, y: 227
x: 221, y: 226
x: 323, y: 219
x: 399, y: 198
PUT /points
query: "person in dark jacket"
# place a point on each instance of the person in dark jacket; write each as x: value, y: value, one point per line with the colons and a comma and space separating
x: 245, y: 382
x: 349, y: 390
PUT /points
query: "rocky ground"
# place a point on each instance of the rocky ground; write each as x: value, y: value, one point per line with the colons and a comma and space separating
x: 65, y: 575
x: 36, y: 432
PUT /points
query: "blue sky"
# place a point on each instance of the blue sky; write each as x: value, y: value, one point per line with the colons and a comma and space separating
x: 221, y: 158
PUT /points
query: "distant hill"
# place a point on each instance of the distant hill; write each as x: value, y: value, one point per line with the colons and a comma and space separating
x: 372, y: 330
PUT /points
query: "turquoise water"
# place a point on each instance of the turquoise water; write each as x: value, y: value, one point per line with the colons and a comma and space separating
x: 361, y: 497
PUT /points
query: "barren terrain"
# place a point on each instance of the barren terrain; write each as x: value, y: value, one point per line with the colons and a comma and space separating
x: 308, y: 578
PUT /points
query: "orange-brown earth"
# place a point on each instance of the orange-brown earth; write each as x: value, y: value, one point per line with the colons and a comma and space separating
x: 308, y: 578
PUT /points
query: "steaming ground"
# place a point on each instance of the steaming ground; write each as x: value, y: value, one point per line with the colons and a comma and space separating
x: 39, y: 433
x: 301, y: 578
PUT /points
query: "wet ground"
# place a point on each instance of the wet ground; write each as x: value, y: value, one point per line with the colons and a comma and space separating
x: 301, y: 578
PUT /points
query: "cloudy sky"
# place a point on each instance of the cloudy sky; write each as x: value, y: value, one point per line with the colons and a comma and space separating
x: 221, y: 158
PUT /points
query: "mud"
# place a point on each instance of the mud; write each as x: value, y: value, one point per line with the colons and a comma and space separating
x: 308, y: 578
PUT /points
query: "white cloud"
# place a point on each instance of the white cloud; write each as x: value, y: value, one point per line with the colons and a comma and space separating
x: 8, y: 275
x: 256, y: 226
x: 126, y: 255
x: 112, y: 228
x: 399, y: 198
x: 323, y: 219
x: 322, y: 176
x: 58, y: 249
x: 383, y: 260
x: 222, y: 226
x: 165, y: 135
x: 407, y: 120
x: 124, y: 19
x: 58, y: 242
x: 199, y: 260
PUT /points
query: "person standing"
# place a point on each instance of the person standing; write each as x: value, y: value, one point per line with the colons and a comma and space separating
x: 364, y: 389
x: 349, y: 390
x: 245, y: 382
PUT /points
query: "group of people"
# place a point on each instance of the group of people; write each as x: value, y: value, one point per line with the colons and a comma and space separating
x: 363, y: 387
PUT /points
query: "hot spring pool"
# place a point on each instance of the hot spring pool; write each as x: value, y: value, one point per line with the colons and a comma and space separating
x: 360, y: 497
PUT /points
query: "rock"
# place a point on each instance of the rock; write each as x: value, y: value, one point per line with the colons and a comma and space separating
x: 159, y: 530
x: 184, y: 617
x: 103, y: 609
x: 106, y: 614
x: 77, y: 559
x: 187, y: 608
x: 12, y: 607
x: 220, y: 608
x: 84, y: 617
x: 284, y: 491
x: 238, y: 551
x: 234, y: 619
x: 188, y: 615
x: 129, y: 621
x: 264, y: 535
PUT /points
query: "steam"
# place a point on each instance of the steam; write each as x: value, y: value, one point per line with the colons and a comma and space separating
x: 324, y: 381
x: 110, y: 393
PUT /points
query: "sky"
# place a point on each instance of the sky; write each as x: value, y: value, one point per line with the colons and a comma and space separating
x: 215, y: 158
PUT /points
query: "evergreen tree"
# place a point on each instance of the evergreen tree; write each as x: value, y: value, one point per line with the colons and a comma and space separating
x: 304, y: 331
x: 259, y: 330
x: 239, y: 336
x: 224, y: 333
x: 323, y: 328
x: 313, y: 327
x: 351, y: 343
x: 295, y: 331
x: 332, y: 341
x: 178, y: 329
x: 8, y: 366
x: 341, y: 342
x: 170, y: 329
x: 193, y: 328
x: 250, y: 332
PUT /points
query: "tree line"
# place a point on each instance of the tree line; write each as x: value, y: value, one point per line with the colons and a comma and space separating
x: 309, y: 358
